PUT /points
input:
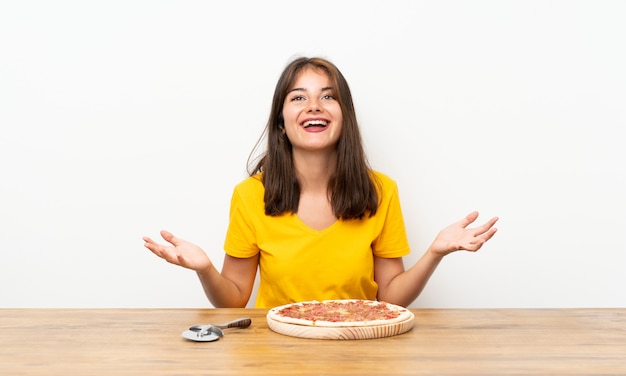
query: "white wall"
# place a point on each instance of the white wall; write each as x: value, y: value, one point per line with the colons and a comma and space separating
x: 120, y: 118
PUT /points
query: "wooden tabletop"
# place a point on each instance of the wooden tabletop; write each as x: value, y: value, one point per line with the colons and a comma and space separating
x: 442, y: 342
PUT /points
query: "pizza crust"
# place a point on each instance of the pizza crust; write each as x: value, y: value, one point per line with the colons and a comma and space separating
x: 403, y: 314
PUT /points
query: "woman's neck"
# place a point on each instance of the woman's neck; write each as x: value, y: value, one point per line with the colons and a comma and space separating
x: 314, y: 170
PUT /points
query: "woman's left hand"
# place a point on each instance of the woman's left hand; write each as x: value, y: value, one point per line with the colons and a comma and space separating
x: 458, y: 237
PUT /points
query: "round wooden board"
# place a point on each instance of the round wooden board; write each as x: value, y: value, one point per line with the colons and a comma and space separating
x: 337, y: 332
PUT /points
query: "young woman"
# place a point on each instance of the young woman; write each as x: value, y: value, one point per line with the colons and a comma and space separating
x: 313, y: 217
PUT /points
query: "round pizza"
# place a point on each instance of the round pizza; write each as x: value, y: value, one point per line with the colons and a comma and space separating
x: 340, y: 313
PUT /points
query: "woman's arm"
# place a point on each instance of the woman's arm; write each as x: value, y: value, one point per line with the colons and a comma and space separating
x: 231, y: 288
x: 397, y: 286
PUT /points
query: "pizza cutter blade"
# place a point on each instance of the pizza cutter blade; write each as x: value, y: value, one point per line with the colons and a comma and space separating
x: 198, y: 337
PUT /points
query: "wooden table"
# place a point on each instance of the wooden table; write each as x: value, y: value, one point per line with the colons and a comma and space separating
x: 442, y: 342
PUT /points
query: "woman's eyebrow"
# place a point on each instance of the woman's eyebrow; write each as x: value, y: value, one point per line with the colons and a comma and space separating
x: 303, y: 89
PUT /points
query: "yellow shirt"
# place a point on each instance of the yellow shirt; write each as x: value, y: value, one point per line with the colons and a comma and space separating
x: 298, y: 263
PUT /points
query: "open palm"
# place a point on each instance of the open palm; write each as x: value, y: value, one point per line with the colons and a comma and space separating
x: 458, y: 237
x: 180, y: 252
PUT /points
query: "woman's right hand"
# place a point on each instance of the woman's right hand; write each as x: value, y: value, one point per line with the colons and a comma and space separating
x: 180, y: 252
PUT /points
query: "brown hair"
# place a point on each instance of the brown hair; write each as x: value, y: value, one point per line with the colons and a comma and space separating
x: 351, y: 188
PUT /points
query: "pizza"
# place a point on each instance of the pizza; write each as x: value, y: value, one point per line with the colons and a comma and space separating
x: 340, y: 313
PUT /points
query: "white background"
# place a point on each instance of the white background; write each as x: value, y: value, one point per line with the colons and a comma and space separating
x: 121, y: 118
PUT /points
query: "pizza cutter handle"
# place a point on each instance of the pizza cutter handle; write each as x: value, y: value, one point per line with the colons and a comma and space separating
x: 243, y: 322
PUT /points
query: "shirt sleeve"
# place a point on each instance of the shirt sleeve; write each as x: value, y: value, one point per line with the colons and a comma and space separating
x: 392, y: 240
x: 241, y: 236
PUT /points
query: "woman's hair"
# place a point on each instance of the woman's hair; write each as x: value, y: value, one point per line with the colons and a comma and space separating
x: 351, y: 188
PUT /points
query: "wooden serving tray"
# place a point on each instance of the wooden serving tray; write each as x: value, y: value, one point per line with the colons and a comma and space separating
x: 338, y: 332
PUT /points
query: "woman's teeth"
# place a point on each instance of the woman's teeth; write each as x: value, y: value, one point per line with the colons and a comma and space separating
x: 315, y: 123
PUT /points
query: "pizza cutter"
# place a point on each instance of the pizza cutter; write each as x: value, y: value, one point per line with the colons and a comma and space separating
x: 208, y: 332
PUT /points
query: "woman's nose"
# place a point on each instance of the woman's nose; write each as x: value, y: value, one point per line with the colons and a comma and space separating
x: 314, y: 106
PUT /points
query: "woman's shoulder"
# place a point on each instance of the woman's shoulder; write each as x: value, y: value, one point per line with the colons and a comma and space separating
x: 249, y: 192
x: 252, y: 183
x: 386, y: 186
x: 383, y: 180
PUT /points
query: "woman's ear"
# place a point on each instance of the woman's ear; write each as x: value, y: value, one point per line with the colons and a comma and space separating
x: 281, y: 123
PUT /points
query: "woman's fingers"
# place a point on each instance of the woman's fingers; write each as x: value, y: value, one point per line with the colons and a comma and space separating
x: 170, y: 238
x: 151, y: 245
x: 469, y: 219
x: 485, y: 228
x: 158, y: 249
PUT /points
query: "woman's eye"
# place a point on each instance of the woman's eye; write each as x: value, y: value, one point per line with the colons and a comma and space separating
x: 328, y: 97
x: 297, y: 98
